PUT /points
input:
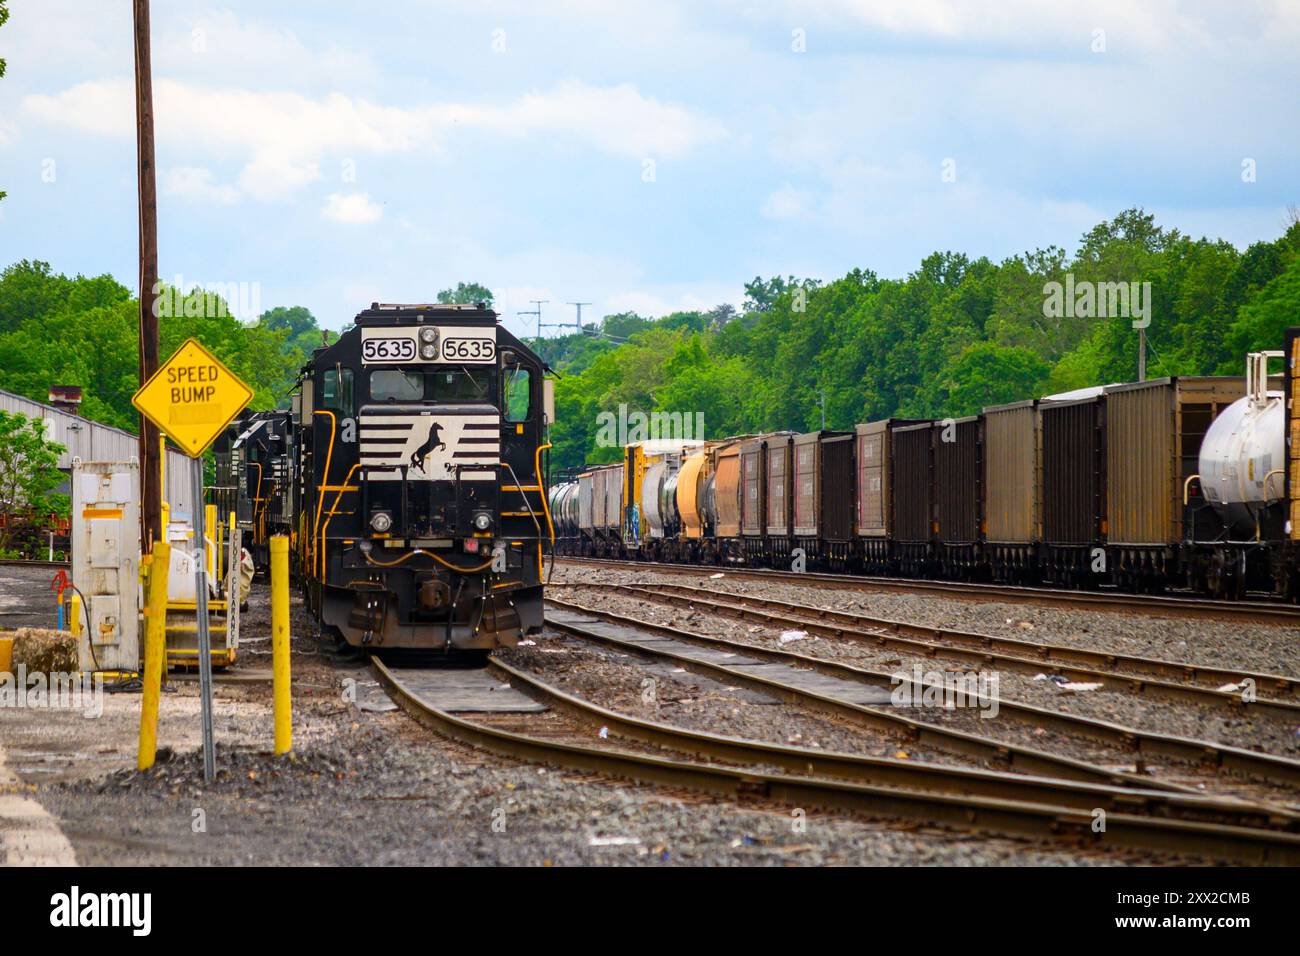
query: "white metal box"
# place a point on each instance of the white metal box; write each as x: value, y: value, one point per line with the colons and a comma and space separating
x: 106, y: 562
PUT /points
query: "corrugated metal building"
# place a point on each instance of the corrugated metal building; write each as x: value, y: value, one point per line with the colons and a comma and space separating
x: 93, y: 441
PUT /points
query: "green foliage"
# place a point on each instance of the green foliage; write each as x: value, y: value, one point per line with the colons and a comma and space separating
x: 951, y: 338
x: 56, y: 330
x: 466, y: 293
x: 28, y: 472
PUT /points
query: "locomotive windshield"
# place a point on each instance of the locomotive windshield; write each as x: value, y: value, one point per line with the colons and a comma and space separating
x: 459, y: 385
x: 389, y: 383
x: 441, y: 385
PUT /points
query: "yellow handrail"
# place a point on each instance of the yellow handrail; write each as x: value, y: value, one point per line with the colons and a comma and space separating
x: 320, y: 501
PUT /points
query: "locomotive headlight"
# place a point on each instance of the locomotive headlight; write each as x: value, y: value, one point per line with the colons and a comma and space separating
x: 428, y: 335
x: 482, y: 520
x: 381, y: 521
x: 429, y: 351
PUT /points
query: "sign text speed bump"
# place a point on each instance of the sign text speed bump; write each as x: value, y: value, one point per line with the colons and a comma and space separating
x: 192, y: 397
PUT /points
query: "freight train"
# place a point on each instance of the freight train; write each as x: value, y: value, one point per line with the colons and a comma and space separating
x: 410, y: 477
x: 1190, y: 482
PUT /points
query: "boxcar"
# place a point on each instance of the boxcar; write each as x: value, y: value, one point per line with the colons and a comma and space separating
x: 753, y: 499
x: 911, y: 451
x: 1153, y: 442
x: 778, y: 508
x: 1074, y: 489
x: 726, y: 501
x: 958, y: 496
x: 1012, y: 491
x: 873, y: 494
x: 823, y: 496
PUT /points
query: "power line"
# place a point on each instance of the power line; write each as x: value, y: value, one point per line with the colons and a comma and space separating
x: 537, y: 311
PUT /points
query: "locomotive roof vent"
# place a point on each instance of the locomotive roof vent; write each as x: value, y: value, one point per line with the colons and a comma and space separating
x: 391, y: 313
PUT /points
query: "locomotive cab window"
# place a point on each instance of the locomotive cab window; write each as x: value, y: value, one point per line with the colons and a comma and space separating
x: 518, y: 394
x: 459, y: 385
x: 336, y: 390
x: 393, y: 384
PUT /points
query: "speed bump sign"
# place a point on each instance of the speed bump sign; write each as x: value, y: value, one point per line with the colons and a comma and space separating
x: 192, y: 397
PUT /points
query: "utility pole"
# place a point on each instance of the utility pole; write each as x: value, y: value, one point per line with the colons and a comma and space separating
x: 536, y: 311
x: 577, y: 322
x: 150, y: 448
x: 822, y: 403
x: 1142, y: 355
x: 562, y: 325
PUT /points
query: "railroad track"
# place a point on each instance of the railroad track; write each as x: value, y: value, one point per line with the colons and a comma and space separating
x: 1149, y: 677
x: 1256, y: 612
x: 981, y: 801
x: 649, y: 638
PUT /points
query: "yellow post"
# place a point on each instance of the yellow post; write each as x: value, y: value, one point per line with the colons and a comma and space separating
x: 210, y: 527
x: 280, y: 643
x: 234, y: 558
x: 74, y: 615
x: 155, y: 625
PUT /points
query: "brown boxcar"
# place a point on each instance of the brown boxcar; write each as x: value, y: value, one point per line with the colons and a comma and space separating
x: 726, y: 491
x: 958, y: 495
x: 753, y: 507
x: 1074, y: 489
x: 873, y: 498
x: 911, y: 454
x: 823, y: 495
x: 1012, y: 490
x: 779, y: 510
x: 1153, y: 442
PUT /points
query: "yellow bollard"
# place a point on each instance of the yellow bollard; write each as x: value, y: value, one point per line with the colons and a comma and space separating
x: 74, y: 615
x: 155, y: 625
x: 280, y: 643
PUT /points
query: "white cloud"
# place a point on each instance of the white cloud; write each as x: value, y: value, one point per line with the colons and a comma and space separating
x: 786, y: 203
x: 354, y: 208
x: 219, y: 44
x: 282, y: 137
x: 665, y: 301
x: 1165, y: 25
x: 195, y: 182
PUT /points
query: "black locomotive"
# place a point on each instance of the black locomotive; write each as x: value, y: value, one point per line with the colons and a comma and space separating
x: 411, y: 475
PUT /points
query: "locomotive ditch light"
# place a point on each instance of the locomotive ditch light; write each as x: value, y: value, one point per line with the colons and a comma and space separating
x: 381, y: 521
x: 482, y: 520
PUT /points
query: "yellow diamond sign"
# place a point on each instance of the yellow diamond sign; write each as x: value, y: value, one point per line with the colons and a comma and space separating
x: 192, y: 397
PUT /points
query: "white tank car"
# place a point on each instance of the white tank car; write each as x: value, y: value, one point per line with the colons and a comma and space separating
x: 1243, y: 453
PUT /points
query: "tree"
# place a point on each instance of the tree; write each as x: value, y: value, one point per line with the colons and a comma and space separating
x: 28, y: 472
x: 623, y: 325
x: 466, y: 293
x: 31, y: 291
x: 987, y: 374
x: 720, y: 315
x: 302, y: 333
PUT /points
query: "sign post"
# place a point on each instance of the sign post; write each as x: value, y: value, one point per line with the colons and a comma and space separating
x: 193, y: 397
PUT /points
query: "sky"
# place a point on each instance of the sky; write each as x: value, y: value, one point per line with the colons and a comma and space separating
x: 635, y: 156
